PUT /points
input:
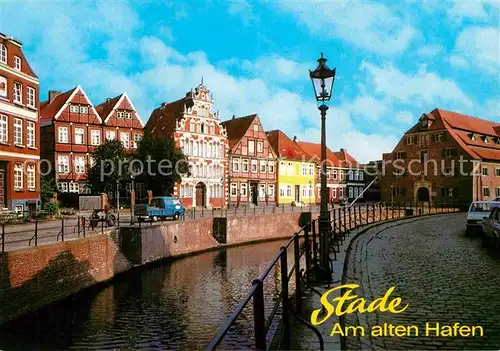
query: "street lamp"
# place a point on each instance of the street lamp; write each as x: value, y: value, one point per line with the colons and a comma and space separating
x: 132, y: 200
x: 322, y: 79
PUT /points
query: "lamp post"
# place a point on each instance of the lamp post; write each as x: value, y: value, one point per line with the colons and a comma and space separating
x: 322, y: 78
x: 132, y: 200
x: 392, y: 195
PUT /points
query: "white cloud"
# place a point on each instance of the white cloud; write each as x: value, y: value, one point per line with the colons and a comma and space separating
x: 243, y: 9
x: 492, y: 109
x: 371, y: 26
x: 478, y: 47
x: 405, y: 117
x: 430, y: 50
x: 368, y: 107
x: 469, y: 8
x: 422, y: 87
x: 275, y: 67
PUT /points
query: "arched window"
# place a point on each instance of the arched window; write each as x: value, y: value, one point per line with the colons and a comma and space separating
x: 3, y: 54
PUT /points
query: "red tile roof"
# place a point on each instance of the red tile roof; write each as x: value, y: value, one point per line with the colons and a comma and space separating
x: 314, y: 150
x: 163, y: 119
x: 107, y: 106
x: 347, y: 160
x: 237, y: 127
x: 286, y: 148
x: 49, y: 110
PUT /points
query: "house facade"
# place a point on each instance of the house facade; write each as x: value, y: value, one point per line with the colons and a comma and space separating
x: 72, y: 128
x: 445, y: 157
x: 252, y: 162
x: 352, y: 175
x: 198, y: 131
x: 19, y: 129
x: 296, y: 170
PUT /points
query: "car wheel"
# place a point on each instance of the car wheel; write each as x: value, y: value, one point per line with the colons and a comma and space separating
x: 176, y: 216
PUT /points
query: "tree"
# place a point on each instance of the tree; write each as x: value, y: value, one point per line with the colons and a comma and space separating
x: 162, y: 162
x: 110, y: 167
x: 47, y: 188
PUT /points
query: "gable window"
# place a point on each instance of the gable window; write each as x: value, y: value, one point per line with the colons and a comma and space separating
x: 255, y: 128
x: 18, y: 176
x: 84, y: 109
x: 400, y: 155
x: 30, y: 134
x: 263, y: 167
x: 251, y: 147
x: 3, y: 54
x: 31, y: 177
x: 128, y: 115
x: 410, y: 140
x: 18, y: 131
x: 271, y: 167
x: 4, y: 129
x: 244, y: 165
x: 78, y: 135
x: 95, y: 137
x: 124, y: 138
x: 110, y: 135
x: 119, y: 114
x: 80, y: 164
x: 63, y: 164
x: 17, y: 63
x: 260, y: 146
x: 18, y: 93
x: 254, y: 166
x: 73, y: 108
x: 63, y: 134
x: 438, y: 137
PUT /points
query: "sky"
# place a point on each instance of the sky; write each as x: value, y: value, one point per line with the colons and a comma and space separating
x: 394, y: 60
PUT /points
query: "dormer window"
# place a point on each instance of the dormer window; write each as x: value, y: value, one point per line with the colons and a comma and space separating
x: 497, y: 141
x: 472, y: 136
x: 424, y: 122
x: 485, y: 139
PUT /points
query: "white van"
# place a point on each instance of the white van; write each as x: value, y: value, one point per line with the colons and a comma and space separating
x: 478, y: 211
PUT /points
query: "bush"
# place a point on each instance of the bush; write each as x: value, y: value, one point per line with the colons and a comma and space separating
x: 67, y: 211
x: 51, y: 208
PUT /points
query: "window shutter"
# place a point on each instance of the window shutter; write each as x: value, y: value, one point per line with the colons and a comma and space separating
x: 443, y: 153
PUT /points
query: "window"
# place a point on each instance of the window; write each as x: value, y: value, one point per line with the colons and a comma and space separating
x: 254, y: 166
x: 3, y: 54
x: 63, y: 134
x: 63, y: 164
x: 18, y: 176
x: 243, y: 189
x: 400, y: 155
x: 18, y: 131
x: 311, y: 170
x: 4, y: 129
x: 484, y: 171
x: 73, y: 108
x: 110, y: 135
x: 334, y: 174
x: 423, y: 156
x: 410, y: 140
x: 84, y: 109
x: 446, y: 192
x: 30, y: 134
x: 497, y: 172
x: 198, y: 127
x: 282, y: 190
x: 255, y: 128
x: 80, y: 164
x: 62, y: 187
x: 361, y: 176
x: 497, y: 192
x: 30, y: 96
x: 137, y: 139
x: 262, y: 190
x: 234, y: 189
x: 260, y: 146
x: 350, y: 193
x: 251, y: 147
x: 342, y: 175
x: 486, y: 191
x: 74, y: 187
x: 356, y: 192
x: 270, y: 190
x: 78, y: 136
x: 360, y: 192
x: 282, y: 168
x: 128, y: 115
x: 289, y: 191
x: 124, y: 138
x: 3, y: 86
x: 334, y: 192
x: 119, y: 114
x: 449, y: 152
x: 438, y: 137
x: 18, y: 93
x: 289, y: 170
x: 341, y: 192
x: 304, y: 169
x: 17, y: 63
x: 271, y: 166
x: 191, y: 126
x: 263, y: 166
x: 244, y: 165
x: 31, y: 177
x: 398, y: 191
x: 95, y: 137
x: 236, y: 164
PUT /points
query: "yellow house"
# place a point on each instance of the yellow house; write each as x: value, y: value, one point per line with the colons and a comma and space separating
x: 296, y: 176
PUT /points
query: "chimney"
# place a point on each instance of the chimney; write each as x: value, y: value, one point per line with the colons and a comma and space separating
x: 108, y: 99
x: 163, y: 104
x: 53, y: 94
x: 342, y: 150
x: 294, y: 139
x: 234, y: 116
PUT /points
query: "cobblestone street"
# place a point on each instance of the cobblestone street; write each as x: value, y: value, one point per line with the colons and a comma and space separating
x: 444, y: 276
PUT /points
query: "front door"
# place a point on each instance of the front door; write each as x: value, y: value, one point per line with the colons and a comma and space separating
x: 200, y: 194
x: 254, y: 193
x: 297, y: 193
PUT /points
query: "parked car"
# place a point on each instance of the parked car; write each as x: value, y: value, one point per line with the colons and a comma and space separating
x: 491, y: 229
x: 478, y: 210
x: 160, y: 208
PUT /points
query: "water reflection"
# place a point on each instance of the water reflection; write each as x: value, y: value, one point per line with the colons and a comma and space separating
x: 176, y: 305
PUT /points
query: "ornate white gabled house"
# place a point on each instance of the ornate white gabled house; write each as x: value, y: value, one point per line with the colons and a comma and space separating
x: 197, y: 130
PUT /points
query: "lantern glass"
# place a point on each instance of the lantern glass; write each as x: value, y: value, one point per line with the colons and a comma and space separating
x: 322, y: 78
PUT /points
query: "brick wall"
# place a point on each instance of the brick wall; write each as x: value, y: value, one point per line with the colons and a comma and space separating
x: 33, y: 277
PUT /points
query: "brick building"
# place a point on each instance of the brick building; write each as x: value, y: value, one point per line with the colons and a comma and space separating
x: 445, y: 157
x: 19, y: 129
x: 198, y: 131
x: 72, y: 128
x: 352, y: 174
x: 372, y: 172
x: 252, y: 162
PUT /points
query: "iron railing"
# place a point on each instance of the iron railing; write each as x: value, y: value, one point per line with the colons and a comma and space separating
x: 305, y: 242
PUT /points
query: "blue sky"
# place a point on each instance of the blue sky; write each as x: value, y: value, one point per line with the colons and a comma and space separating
x: 395, y: 60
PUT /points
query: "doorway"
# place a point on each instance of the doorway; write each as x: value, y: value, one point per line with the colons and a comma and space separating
x: 254, y: 193
x: 423, y: 194
x: 297, y: 193
x: 200, y: 191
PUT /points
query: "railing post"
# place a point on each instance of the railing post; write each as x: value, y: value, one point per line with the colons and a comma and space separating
x: 334, y: 226
x: 350, y: 218
x: 367, y: 213
x: 3, y: 237
x: 315, y: 244
x: 386, y: 211
x: 345, y: 218
x: 285, y: 302
x: 78, y: 225
x: 380, y: 211
x: 259, y: 318
x: 298, y: 283
x: 254, y: 209
x: 36, y: 232
x: 307, y: 244
x: 62, y: 229
x: 83, y: 223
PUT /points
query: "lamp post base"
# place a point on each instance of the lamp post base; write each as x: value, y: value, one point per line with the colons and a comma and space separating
x: 324, y: 244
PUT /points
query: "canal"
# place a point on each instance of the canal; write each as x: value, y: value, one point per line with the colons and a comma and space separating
x: 170, y: 305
